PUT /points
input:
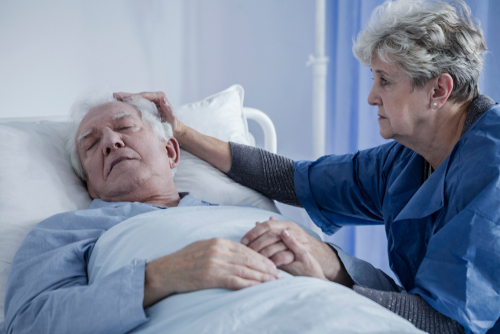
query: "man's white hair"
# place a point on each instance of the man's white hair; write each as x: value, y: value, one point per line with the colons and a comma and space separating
x: 148, y: 111
x: 426, y: 39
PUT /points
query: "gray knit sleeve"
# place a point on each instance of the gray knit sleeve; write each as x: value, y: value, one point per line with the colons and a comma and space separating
x: 414, y: 309
x: 268, y: 173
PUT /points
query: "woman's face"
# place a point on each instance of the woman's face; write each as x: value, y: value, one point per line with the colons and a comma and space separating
x: 402, y: 110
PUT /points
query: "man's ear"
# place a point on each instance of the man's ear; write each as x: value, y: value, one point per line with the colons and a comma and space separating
x: 442, y: 86
x: 173, y: 151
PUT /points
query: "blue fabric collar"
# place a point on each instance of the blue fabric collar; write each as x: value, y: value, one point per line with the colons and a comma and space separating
x: 414, y: 194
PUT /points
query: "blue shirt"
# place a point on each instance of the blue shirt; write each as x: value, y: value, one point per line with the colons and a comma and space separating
x: 47, y: 288
x: 443, y: 235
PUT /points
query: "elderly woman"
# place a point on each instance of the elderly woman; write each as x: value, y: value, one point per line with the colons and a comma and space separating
x: 436, y: 186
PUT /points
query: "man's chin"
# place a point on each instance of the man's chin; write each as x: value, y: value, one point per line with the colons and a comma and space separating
x: 121, y: 189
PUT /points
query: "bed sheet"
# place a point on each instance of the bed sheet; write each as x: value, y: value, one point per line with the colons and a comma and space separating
x: 288, y: 305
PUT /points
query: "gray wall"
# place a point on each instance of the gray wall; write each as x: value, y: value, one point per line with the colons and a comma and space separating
x: 51, y: 51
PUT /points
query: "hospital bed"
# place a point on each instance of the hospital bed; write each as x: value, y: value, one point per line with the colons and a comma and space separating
x: 36, y: 182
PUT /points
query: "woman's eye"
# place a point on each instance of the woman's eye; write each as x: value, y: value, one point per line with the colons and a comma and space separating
x: 124, y: 128
x: 384, y: 82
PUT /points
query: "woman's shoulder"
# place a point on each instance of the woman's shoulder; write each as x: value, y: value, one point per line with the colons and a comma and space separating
x: 484, y: 134
x: 487, y: 123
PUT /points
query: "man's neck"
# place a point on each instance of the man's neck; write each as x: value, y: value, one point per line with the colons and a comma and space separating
x: 164, y: 194
x: 169, y: 201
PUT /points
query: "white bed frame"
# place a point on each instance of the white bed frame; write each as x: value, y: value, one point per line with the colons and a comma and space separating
x: 270, y: 142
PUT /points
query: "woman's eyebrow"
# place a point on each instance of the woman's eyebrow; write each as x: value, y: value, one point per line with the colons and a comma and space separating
x: 381, y: 72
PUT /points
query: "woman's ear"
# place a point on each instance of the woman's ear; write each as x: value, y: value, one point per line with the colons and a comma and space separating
x: 173, y: 151
x: 441, y: 90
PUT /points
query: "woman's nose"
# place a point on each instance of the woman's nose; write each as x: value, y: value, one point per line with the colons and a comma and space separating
x: 373, y: 98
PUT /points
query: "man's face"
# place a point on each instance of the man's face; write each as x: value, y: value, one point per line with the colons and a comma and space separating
x: 122, y: 158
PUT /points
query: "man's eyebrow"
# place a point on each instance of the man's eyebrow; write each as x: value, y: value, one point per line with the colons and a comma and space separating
x: 85, y: 135
x: 121, y: 115
x: 89, y: 132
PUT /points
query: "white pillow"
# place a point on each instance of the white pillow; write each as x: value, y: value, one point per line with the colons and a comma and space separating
x: 220, y: 116
x: 36, y: 181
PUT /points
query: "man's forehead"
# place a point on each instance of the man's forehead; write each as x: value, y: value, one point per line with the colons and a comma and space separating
x: 108, y: 112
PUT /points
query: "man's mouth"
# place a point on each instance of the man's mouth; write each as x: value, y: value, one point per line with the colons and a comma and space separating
x: 117, y: 161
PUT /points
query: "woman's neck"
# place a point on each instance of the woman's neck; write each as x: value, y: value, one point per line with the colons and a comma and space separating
x: 444, y: 131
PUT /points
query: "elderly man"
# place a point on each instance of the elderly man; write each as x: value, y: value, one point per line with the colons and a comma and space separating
x: 126, y: 157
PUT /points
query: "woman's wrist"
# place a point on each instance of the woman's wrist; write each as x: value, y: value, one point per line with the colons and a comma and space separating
x: 179, y: 130
x: 335, y: 270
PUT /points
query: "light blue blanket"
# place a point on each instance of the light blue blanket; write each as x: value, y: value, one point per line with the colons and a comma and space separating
x: 288, y: 305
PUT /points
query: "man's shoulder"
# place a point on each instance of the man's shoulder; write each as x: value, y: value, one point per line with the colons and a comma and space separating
x: 99, y: 213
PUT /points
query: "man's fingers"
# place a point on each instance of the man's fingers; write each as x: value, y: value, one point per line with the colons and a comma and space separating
x: 269, y: 251
x: 283, y: 258
x: 245, y: 256
x: 237, y: 283
x: 254, y: 233
x: 263, y: 235
x: 265, y: 240
x: 250, y: 274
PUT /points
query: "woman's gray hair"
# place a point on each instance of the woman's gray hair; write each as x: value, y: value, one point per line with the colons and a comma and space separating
x: 426, y: 39
x: 148, y: 111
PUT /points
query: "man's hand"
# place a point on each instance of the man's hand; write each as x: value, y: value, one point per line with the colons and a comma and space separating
x: 266, y: 239
x: 206, y: 264
x: 165, y: 109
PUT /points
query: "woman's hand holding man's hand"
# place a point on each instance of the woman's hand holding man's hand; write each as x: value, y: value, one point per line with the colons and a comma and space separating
x: 299, y: 253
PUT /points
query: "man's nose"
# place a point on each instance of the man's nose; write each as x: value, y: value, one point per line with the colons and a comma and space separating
x: 112, y: 141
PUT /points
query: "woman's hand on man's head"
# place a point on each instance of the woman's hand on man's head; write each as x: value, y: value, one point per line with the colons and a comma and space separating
x: 167, y: 112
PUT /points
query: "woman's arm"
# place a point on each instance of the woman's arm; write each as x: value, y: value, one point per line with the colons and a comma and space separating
x: 414, y: 309
x: 269, y: 174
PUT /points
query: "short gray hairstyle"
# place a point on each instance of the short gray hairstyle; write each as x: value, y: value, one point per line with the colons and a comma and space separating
x: 148, y: 111
x: 426, y: 39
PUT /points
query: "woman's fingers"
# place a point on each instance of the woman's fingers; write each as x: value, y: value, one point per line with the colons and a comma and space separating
x: 291, y: 242
x: 304, y: 264
x: 155, y: 97
x: 167, y: 112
